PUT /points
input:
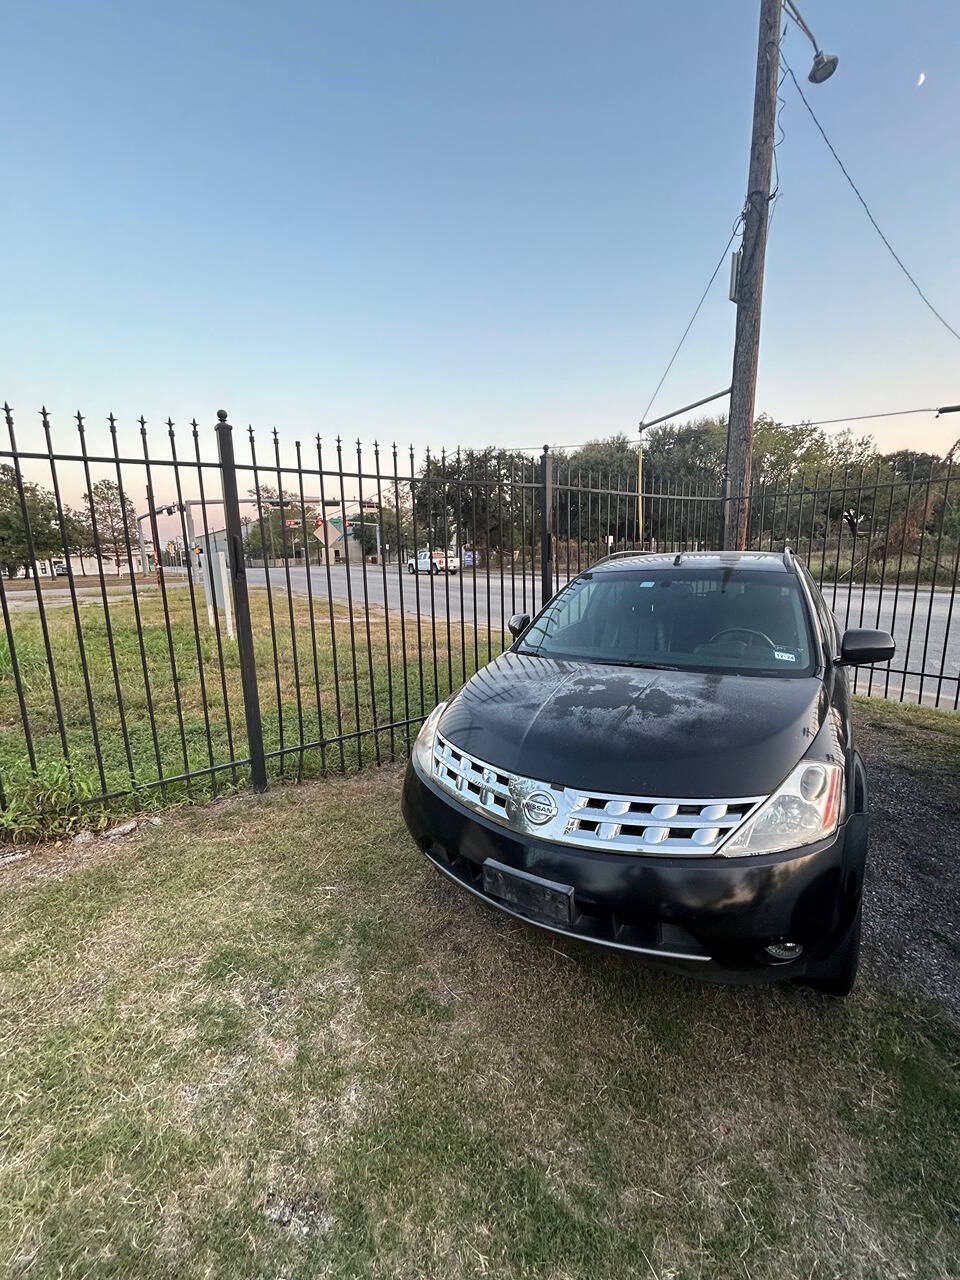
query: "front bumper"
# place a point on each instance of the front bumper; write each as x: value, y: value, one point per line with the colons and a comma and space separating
x: 711, y: 916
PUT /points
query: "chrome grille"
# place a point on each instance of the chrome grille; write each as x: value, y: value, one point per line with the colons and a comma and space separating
x: 588, y: 819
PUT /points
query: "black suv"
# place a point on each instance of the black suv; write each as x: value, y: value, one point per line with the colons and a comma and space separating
x: 663, y: 762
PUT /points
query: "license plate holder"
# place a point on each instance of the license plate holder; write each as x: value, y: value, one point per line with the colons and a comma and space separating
x: 534, y: 896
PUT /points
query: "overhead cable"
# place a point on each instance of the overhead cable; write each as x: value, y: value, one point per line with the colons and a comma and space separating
x: 866, y: 208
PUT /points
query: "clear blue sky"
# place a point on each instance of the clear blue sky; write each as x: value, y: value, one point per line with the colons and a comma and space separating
x: 464, y: 224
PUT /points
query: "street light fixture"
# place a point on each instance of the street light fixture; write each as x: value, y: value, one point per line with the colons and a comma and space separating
x: 824, y: 64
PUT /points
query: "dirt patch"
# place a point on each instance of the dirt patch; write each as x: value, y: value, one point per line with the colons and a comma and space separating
x: 911, y: 935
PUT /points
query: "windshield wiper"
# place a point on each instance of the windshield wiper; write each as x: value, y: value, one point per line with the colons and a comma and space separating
x: 603, y: 661
x: 645, y: 666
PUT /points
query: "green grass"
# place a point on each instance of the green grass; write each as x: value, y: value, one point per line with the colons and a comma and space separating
x: 265, y: 1038
x: 932, y: 734
x: 931, y: 568
x: 56, y: 799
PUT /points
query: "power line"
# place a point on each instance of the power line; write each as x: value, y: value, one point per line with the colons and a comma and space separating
x: 776, y: 194
x: 866, y: 207
x: 722, y: 259
x: 818, y: 422
x: 855, y: 417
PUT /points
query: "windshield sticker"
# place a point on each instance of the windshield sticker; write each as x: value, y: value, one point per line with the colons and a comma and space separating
x: 783, y: 656
x: 646, y: 584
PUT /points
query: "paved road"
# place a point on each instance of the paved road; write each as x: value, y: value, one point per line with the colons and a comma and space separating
x: 412, y: 584
x: 919, y: 629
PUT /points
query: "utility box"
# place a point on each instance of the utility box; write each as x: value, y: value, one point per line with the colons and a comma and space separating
x: 736, y: 258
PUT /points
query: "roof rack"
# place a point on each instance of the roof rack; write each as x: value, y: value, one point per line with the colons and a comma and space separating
x: 619, y: 555
x: 785, y: 556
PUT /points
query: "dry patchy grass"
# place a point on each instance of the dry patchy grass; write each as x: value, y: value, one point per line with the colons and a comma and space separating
x: 265, y: 1039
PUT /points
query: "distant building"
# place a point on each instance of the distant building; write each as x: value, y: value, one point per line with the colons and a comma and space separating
x: 328, y: 530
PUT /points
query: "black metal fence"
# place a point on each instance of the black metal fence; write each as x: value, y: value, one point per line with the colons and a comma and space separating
x: 176, y: 621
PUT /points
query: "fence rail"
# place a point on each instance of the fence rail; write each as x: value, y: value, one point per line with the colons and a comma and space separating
x: 128, y: 678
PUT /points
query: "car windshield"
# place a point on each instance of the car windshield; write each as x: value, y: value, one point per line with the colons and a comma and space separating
x: 750, y: 621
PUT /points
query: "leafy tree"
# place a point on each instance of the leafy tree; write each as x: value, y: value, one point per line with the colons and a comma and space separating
x: 481, y: 499
x: 365, y: 532
x: 80, y: 538
x: 397, y: 533
x: 42, y: 516
x: 905, y: 463
x: 609, y: 461
x: 114, y: 519
x: 692, y: 454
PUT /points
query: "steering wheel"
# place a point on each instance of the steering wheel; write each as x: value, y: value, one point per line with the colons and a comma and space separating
x: 745, y: 631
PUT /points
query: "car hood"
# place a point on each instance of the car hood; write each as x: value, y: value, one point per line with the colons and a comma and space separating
x: 636, y: 731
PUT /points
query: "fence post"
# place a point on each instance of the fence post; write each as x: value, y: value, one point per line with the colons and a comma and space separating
x: 546, y: 526
x: 238, y: 574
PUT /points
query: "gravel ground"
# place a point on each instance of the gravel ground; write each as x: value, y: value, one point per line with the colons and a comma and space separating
x: 911, y: 928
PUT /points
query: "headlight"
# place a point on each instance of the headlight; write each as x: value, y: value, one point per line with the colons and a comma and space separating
x: 423, y: 747
x: 805, y: 809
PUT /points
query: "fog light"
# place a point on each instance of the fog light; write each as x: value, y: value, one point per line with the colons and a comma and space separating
x: 784, y: 950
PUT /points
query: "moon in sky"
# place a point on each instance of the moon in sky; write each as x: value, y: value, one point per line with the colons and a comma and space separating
x: 921, y: 78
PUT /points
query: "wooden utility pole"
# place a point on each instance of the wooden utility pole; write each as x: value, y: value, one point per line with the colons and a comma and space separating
x: 750, y: 289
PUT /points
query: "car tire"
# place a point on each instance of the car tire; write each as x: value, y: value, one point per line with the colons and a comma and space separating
x: 839, y: 971
x: 411, y: 569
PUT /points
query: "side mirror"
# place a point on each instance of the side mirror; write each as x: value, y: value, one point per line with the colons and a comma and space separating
x: 861, y: 648
x: 518, y: 624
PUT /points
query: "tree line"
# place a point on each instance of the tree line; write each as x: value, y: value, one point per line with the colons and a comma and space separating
x: 29, y: 512
x: 807, y: 486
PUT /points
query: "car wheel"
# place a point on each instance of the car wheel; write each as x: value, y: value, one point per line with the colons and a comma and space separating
x: 839, y: 971
x: 410, y: 569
